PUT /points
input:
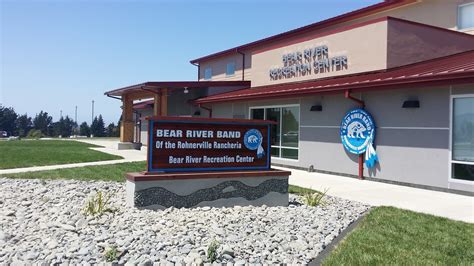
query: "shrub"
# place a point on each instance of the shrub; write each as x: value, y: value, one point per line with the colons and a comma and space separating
x: 34, y: 134
x: 314, y: 199
x: 111, y: 254
x: 98, y: 204
x: 212, y: 251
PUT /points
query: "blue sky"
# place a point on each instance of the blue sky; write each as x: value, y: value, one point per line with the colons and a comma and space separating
x: 59, y: 54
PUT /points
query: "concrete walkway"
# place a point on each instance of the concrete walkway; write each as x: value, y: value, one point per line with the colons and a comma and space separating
x: 109, y: 146
x: 452, y: 206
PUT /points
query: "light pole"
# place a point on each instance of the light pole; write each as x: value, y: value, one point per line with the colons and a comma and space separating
x: 92, y: 112
x: 76, y: 131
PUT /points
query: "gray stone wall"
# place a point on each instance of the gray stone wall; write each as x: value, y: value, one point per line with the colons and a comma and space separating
x: 216, y: 192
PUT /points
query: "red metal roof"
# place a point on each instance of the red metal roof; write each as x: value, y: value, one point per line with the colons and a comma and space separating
x: 144, y: 105
x: 152, y: 85
x: 449, y: 70
x: 363, y: 12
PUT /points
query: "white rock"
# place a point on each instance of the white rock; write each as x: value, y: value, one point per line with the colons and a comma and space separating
x: 259, y: 235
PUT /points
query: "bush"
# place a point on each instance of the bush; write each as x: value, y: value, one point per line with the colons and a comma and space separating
x: 34, y: 134
x: 212, y: 251
x: 111, y: 254
x: 314, y: 199
x: 97, y: 205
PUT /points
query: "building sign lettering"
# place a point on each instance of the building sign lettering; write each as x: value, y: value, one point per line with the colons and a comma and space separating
x: 197, y: 144
x: 309, y: 61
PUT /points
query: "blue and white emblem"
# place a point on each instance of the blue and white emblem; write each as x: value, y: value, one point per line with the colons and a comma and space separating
x: 358, y: 134
x: 253, y: 140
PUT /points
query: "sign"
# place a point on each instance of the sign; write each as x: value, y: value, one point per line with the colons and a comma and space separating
x: 309, y: 61
x: 198, y: 144
x: 358, y: 133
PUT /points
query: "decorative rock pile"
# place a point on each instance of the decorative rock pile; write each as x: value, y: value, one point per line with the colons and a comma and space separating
x: 42, y: 221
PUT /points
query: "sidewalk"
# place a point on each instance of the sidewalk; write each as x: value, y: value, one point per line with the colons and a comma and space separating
x: 452, y: 206
x: 110, y: 146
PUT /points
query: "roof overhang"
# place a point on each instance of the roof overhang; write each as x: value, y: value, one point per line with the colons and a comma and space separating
x: 155, y: 86
x: 449, y: 70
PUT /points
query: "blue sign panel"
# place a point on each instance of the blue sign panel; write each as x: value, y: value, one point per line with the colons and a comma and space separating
x: 358, y: 134
x: 357, y: 131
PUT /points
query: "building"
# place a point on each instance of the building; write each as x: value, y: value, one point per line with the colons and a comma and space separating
x: 409, y: 63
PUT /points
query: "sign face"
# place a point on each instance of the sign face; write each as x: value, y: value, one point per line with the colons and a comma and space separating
x: 357, y: 131
x: 195, y: 144
x: 309, y: 61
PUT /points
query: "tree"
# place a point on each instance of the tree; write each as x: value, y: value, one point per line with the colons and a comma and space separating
x: 7, y: 119
x: 23, y: 125
x: 98, y: 127
x: 112, y: 130
x: 64, y: 127
x: 84, y: 129
x: 42, y: 121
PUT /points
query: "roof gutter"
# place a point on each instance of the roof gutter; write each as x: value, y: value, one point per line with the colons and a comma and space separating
x: 114, y: 97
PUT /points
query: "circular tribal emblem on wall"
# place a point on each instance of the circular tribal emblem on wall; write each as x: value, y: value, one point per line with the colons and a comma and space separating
x: 253, y: 141
x: 357, y: 131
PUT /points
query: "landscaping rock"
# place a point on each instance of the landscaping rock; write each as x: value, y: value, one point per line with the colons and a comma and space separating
x: 245, y: 234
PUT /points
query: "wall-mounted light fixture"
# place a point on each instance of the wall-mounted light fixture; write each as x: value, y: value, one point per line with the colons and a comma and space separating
x: 411, y: 104
x: 186, y: 91
x: 316, y: 108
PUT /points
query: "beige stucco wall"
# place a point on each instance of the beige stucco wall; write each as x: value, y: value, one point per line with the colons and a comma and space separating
x: 219, y: 67
x: 411, y: 43
x: 440, y: 13
x: 365, y: 48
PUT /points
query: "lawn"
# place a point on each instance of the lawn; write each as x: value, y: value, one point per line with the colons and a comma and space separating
x: 391, y: 236
x: 27, y: 153
x: 111, y: 172
x: 386, y: 235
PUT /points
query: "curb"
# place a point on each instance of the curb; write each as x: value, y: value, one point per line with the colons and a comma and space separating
x: 332, y: 246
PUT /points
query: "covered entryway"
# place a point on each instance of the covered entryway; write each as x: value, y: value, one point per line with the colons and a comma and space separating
x: 169, y: 98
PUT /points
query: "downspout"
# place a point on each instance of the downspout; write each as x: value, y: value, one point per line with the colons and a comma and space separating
x: 243, y: 64
x: 361, y: 104
x: 199, y: 70
x: 206, y: 108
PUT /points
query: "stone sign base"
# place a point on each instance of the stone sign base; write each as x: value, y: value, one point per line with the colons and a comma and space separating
x: 215, y: 189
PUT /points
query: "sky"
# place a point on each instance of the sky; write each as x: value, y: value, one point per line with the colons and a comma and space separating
x: 56, y: 55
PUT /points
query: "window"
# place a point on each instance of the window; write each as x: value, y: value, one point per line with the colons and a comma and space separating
x: 466, y: 16
x: 208, y: 73
x: 230, y: 71
x: 462, y: 146
x: 285, y: 134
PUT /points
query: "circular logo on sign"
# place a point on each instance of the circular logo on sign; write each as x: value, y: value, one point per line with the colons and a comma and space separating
x: 357, y: 131
x: 252, y: 139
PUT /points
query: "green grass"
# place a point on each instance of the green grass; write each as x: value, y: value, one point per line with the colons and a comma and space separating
x: 300, y: 190
x: 391, y: 236
x: 27, y: 153
x: 111, y: 172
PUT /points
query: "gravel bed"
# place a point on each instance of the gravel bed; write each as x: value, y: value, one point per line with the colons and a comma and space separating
x: 42, y: 222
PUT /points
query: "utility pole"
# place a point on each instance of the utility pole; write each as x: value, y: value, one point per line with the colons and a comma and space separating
x: 92, y: 112
x: 75, y: 115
